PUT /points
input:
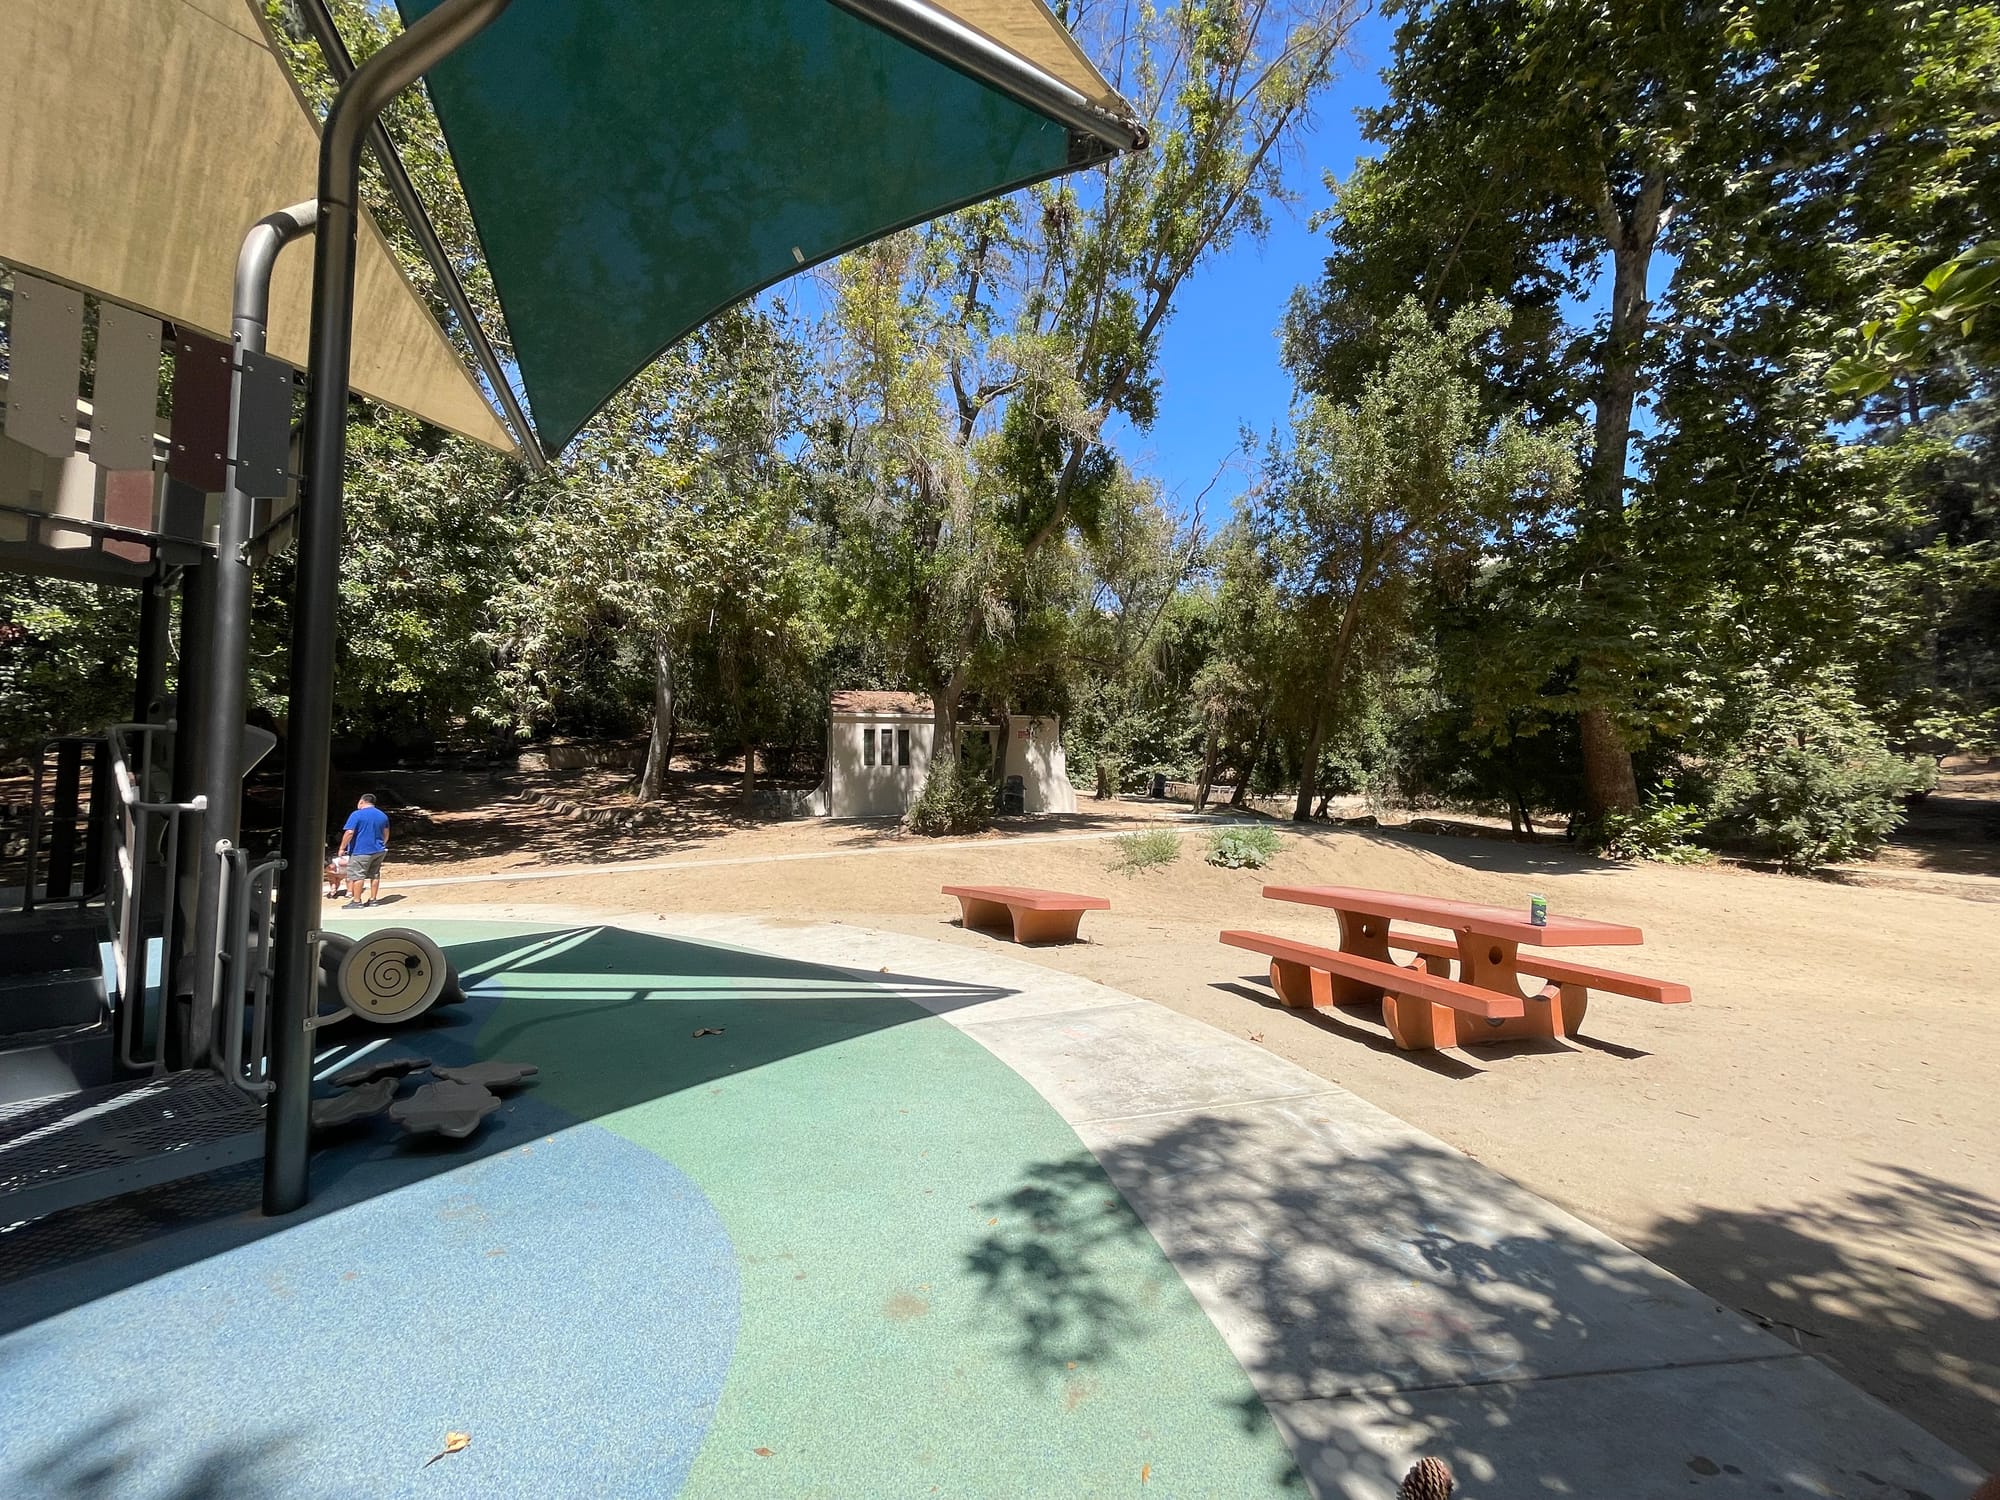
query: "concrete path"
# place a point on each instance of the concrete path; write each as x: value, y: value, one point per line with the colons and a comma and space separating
x: 888, y: 847
x: 1388, y: 1296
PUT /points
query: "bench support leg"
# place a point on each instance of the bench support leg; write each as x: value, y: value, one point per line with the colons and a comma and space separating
x: 1417, y: 1024
x: 986, y: 916
x: 1300, y: 986
x: 1045, y: 926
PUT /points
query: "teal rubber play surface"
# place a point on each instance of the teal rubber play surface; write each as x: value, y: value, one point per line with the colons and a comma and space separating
x: 831, y: 1248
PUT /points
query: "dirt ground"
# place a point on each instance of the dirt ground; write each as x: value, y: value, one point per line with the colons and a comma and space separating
x: 1813, y: 1141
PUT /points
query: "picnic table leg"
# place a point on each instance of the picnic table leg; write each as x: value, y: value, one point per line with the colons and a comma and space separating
x: 1575, y: 1000
x: 1368, y: 937
x: 1045, y: 926
x: 1546, y: 1009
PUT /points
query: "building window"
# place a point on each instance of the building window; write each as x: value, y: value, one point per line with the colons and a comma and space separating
x: 868, y: 746
x: 888, y: 742
x: 902, y: 747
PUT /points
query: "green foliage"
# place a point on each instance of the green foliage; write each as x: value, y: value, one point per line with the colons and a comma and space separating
x: 66, y: 660
x: 1144, y: 851
x: 1662, y: 831
x: 1249, y: 846
x: 957, y: 799
x: 1381, y: 507
x: 1811, y: 782
x: 1952, y: 307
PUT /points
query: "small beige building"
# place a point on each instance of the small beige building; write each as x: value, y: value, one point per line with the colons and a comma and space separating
x: 878, y: 755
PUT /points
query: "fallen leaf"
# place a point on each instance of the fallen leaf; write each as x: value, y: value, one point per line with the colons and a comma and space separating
x: 763, y: 1452
x: 709, y: 1031
x: 454, y: 1442
x: 991, y: 1222
x: 1256, y: 1036
x: 1145, y: 1472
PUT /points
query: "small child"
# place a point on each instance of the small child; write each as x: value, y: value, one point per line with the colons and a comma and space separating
x: 336, y: 876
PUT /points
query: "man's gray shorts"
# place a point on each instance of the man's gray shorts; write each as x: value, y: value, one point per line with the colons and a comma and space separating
x: 365, y: 866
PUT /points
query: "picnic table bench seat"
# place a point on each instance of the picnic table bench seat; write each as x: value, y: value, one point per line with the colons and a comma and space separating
x: 1031, y: 914
x: 1419, y: 1007
x: 1554, y: 970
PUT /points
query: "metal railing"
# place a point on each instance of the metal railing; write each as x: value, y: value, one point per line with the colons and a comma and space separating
x: 62, y: 845
x: 245, y: 962
x: 138, y: 883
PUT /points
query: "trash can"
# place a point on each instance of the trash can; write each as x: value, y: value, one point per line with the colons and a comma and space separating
x: 1159, y: 786
x: 1014, y: 796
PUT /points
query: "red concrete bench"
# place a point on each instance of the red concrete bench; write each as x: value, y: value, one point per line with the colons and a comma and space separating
x: 1573, y: 982
x: 1302, y: 974
x: 1033, y: 916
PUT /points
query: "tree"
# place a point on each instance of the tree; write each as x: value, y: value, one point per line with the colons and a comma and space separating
x: 1540, y: 153
x: 671, y: 527
x: 982, y: 357
x: 1382, y: 500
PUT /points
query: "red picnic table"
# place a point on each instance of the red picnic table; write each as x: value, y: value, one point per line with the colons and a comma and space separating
x: 1422, y: 1005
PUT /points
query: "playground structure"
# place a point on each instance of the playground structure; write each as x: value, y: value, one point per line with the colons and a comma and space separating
x: 190, y: 1047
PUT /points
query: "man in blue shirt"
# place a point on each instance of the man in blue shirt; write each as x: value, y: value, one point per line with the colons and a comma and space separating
x: 365, y: 840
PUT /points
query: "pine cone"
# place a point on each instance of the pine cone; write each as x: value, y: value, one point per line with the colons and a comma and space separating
x: 1429, y: 1480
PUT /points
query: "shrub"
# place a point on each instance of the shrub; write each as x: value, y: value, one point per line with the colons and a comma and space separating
x: 957, y: 798
x: 1662, y: 831
x: 1248, y: 847
x: 1142, y: 851
x: 1812, y: 781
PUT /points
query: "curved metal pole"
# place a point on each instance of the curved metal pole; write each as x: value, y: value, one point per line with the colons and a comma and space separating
x: 953, y: 43
x: 315, y: 596
x: 229, y: 629
x: 319, y: 20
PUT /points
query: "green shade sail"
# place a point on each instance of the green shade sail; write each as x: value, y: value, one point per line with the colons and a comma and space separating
x: 635, y: 166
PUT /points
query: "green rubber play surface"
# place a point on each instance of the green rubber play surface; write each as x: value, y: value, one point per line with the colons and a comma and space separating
x: 940, y: 1291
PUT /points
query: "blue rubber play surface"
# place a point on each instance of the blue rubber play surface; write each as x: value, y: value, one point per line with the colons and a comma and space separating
x: 830, y: 1248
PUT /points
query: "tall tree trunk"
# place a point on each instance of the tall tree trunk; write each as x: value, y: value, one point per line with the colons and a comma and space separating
x: 1207, y: 769
x: 1336, y: 677
x: 1632, y: 234
x: 1239, y: 795
x: 732, y: 682
x: 1309, y: 769
x: 660, y: 746
x: 945, y: 698
x: 1608, y: 781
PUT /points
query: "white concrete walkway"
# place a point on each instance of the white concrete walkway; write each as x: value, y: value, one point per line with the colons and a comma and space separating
x: 1388, y: 1296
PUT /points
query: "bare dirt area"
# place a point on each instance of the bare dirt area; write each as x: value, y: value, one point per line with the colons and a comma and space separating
x: 1812, y: 1141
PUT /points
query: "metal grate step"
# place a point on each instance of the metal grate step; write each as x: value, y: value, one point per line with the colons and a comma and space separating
x: 64, y: 1150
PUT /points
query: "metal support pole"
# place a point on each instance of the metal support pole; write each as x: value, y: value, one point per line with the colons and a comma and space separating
x: 333, y: 51
x: 229, y: 627
x: 309, y: 725
x: 191, y: 696
x: 149, y: 695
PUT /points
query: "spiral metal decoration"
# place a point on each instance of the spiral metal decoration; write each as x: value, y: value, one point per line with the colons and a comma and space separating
x: 391, y: 976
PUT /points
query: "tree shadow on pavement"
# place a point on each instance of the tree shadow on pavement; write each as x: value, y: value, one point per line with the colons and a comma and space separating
x: 1896, y: 1285
x: 115, y: 1463
x: 1393, y: 1302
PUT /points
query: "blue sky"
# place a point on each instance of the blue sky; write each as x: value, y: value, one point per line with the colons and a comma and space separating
x: 1219, y: 365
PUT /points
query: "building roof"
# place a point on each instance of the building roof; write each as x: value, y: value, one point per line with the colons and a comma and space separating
x: 868, y: 701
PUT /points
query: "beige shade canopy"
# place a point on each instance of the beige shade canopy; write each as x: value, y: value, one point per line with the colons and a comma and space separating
x: 1030, y: 30
x: 139, y: 139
